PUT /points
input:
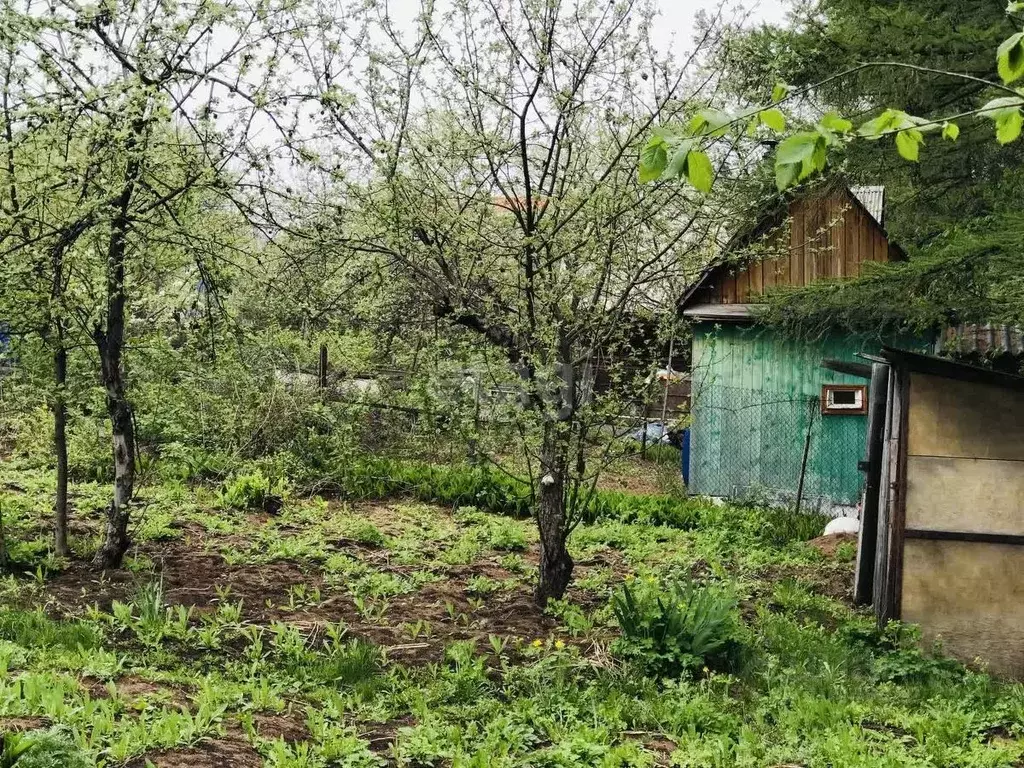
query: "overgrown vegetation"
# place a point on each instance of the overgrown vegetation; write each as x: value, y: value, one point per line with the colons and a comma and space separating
x: 321, y: 341
x: 361, y: 633
x: 677, y: 629
x: 42, y: 750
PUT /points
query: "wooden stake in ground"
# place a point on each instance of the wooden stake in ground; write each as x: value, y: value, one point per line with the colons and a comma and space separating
x: 807, y: 449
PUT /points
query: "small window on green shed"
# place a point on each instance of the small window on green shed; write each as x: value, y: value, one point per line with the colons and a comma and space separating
x: 844, y: 399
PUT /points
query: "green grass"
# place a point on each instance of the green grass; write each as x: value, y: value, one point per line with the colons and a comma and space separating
x: 33, y: 629
x: 660, y: 453
x: 494, y: 491
x: 401, y: 633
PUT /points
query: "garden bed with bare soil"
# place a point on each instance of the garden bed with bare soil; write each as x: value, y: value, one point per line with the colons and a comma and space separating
x: 406, y: 634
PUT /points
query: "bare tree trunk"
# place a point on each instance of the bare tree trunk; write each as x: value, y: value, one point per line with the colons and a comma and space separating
x: 110, y: 342
x: 60, y: 445
x: 322, y: 369
x: 556, y: 564
x: 115, y: 540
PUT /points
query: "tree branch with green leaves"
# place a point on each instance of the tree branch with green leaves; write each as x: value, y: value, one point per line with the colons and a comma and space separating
x: 681, y: 152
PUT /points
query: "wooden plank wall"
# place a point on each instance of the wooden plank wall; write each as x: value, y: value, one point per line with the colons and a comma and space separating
x: 829, y: 237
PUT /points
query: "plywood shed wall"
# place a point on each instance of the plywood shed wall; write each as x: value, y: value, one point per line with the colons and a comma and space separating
x: 962, y: 575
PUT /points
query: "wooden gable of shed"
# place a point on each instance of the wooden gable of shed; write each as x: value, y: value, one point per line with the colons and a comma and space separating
x: 825, y: 236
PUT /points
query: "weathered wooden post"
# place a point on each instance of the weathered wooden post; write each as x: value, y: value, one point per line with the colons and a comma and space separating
x: 872, y: 465
x: 813, y: 406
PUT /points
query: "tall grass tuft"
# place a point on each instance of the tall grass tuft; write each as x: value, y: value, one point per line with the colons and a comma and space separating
x: 34, y: 629
x: 678, y: 628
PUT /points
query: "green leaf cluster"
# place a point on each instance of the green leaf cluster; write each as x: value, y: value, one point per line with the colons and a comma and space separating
x: 1006, y: 113
x: 677, y: 628
x: 966, y: 174
x: 1010, y: 58
x: 666, y: 157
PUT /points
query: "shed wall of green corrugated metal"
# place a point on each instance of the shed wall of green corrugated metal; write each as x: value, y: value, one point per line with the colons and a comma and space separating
x: 755, y: 398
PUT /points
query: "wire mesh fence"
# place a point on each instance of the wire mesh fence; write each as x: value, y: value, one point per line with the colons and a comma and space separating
x: 776, y: 447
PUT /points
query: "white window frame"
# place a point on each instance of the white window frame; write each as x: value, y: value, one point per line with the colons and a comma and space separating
x: 829, y: 407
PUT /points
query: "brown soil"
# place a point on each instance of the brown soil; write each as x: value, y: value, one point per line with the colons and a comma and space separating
x: 509, y: 613
x: 662, y: 748
x: 133, y: 687
x: 229, y: 752
x: 191, y: 576
x: 382, y: 735
x: 290, y: 726
x: 21, y: 724
x: 828, y: 545
x: 835, y: 580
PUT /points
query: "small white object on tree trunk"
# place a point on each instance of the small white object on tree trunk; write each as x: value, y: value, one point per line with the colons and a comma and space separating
x: 547, y: 480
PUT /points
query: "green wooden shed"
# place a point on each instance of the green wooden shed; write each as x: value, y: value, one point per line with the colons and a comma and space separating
x: 769, y: 421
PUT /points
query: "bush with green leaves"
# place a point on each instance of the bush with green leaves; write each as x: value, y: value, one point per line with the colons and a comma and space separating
x: 655, y: 510
x: 253, y: 490
x: 762, y: 527
x: 678, y: 628
x: 13, y: 749
x: 470, y: 488
x: 43, y: 750
x: 507, y: 536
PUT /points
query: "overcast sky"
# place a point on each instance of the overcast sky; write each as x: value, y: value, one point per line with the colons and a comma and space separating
x: 677, y: 16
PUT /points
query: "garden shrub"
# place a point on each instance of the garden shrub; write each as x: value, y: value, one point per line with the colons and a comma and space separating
x: 42, y: 750
x: 900, y: 658
x: 250, y: 491
x: 763, y: 526
x: 366, y: 532
x: 677, y: 628
x: 506, y: 536
x: 656, y: 510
